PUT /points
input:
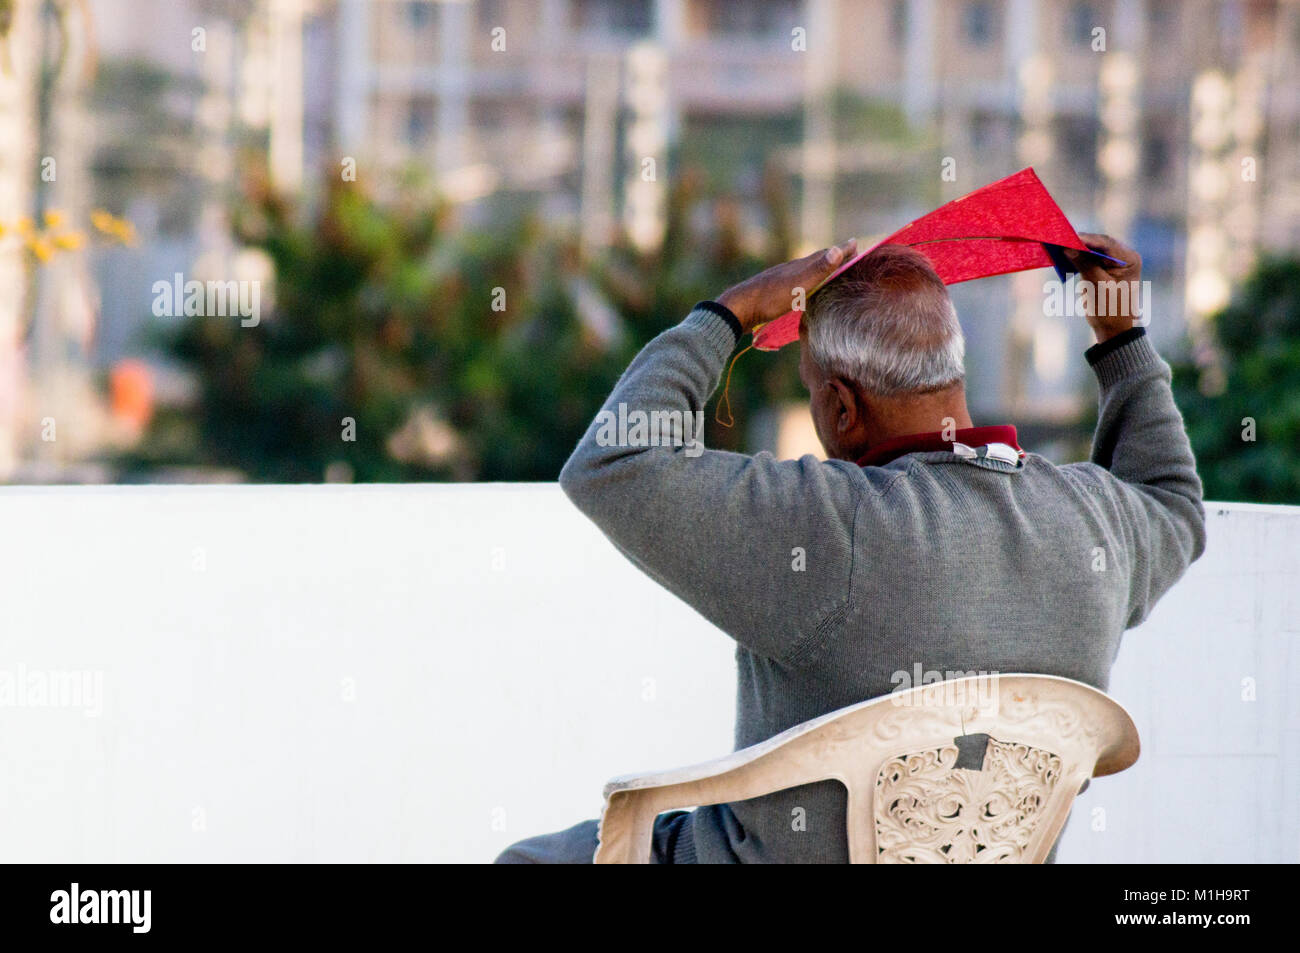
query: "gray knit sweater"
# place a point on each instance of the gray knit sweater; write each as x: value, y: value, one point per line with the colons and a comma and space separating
x: 933, y: 559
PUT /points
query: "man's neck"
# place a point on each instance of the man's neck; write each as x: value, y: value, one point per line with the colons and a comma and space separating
x: 894, y: 417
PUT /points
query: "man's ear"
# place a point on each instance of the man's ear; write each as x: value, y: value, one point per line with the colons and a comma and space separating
x: 848, y: 409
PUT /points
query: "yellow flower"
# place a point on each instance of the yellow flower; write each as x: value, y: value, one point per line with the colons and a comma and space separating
x: 69, y: 241
x: 25, y: 225
x: 112, y: 226
x: 41, y: 247
x: 53, y: 218
x: 126, y: 232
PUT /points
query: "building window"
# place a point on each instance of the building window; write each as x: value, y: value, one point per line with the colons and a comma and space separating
x: 618, y: 17
x: 978, y: 20
x: 1162, y: 16
x: 419, y: 14
x: 491, y: 13
x: 1155, y: 156
x: 898, y: 21
x: 1159, y: 240
x: 983, y: 131
x: 489, y: 115
x: 1083, y: 19
x: 419, y: 122
x: 757, y: 18
x: 1076, y: 140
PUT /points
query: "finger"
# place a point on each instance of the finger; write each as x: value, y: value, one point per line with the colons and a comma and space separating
x: 1096, y: 239
x: 828, y: 259
x: 1081, y: 259
x: 1107, y: 245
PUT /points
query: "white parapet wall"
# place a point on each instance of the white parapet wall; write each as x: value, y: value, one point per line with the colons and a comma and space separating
x: 428, y: 673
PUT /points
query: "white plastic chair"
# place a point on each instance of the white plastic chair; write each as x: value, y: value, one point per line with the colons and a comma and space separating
x: 912, y: 798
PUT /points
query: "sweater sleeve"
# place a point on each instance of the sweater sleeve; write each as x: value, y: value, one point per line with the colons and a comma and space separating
x: 1149, y: 470
x: 721, y: 530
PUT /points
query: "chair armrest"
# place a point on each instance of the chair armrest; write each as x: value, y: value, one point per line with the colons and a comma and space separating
x: 633, y: 801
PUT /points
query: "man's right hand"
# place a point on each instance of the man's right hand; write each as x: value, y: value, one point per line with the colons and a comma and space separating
x: 771, y: 293
x: 1107, y: 322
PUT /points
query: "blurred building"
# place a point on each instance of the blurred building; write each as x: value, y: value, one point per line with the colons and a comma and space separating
x: 17, y: 159
x: 139, y: 107
x: 1168, y: 123
x: 47, y: 295
x: 1174, y: 124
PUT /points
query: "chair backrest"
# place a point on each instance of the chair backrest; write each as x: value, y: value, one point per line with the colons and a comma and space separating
x: 981, y: 769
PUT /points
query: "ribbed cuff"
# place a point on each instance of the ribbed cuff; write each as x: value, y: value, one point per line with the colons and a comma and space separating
x: 726, y: 314
x: 1121, y: 356
x: 1100, y: 350
x: 715, y: 328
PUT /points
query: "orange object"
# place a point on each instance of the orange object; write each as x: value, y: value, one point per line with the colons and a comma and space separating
x: 130, y: 385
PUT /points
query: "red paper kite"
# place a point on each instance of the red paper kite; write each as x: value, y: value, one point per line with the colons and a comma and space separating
x: 1010, y: 225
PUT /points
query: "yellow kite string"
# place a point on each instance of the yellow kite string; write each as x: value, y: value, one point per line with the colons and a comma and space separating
x: 725, y: 401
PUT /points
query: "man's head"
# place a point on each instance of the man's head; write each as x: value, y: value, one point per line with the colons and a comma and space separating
x: 882, y: 353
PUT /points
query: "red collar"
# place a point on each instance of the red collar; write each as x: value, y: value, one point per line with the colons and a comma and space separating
x: 896, y: 447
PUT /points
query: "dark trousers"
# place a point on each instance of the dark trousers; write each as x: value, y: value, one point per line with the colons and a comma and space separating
x: 671, y: 843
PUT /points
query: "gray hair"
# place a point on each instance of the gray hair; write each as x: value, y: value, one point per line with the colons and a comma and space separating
x: 888, y: 324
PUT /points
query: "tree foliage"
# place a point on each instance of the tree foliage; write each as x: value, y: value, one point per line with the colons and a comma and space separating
x: 1247, y: 435
x: 398, y: 347
x: 403, y: 345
